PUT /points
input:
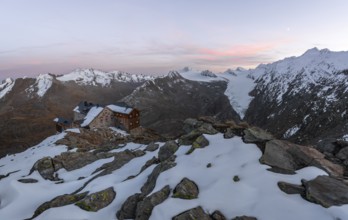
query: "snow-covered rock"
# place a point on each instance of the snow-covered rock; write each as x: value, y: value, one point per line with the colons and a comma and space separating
x: 97, y: 77
x: 6, y: 86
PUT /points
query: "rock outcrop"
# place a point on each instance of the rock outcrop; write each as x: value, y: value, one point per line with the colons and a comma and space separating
x: 186, y: 189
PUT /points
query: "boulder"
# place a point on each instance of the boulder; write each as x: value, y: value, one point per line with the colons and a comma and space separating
x: 189, y: 138
x: 45, y: 167
x: 290, y: 188
x: 98, y: 200
x: 150, y: 184
x: 145, y: 207
x: 217, y: 215
x: 200, y: 142
x: 167, y: 150
x: 193, y: 214
x: 207, y: 128
x: 191, y: 124
x: 59, y: 201
x: 326, y: 191
x: 288, y: 156
x: 129, y: 207
x: 229, y: 133
x: 186, y: 189
x: 148, y: 163
x: 342, y: 154
x: 152, y: 147
x: 256, y: 135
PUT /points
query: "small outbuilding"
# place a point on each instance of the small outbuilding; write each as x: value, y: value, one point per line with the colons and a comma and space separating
x: 62, y: 124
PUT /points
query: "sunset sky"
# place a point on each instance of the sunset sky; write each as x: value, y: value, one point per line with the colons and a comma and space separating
x: 155, y: 36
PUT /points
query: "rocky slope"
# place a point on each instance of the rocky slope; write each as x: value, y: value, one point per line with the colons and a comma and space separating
x: 167, y: 101
x: 216, y: 170
x: 28, y: 106
x: 303, y: 98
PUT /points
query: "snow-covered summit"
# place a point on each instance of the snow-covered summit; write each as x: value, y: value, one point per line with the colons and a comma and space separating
x: 42, y: 84
x: 311, y: 68
x: 97, y: 77
x: 197, y: 75
x: 6, y: 86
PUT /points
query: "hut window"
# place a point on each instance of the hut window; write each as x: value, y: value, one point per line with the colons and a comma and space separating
x: 136, y: 114
x: 137, y: 122
x: 131, y: 123
x: 130, y: 116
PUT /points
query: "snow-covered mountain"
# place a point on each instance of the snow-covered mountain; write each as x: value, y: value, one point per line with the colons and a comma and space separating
x: 302, y: 97
x: 97, y: 77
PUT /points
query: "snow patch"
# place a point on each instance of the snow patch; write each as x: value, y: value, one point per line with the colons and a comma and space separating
x: 42, y: 84
x: 291, y: 131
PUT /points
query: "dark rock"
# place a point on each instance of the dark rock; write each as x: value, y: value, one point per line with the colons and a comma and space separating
x: 167, y: 150
x: 327, y: 145
x: 152, y: 178
x: 189, y: 138
x: 244, y: 218
x: 186, y: 189
x: 148, y: 163
x: 229, y: 133
x: 152, y: 147
x: 236, y: 178
x: 288, y: 156
x: 256, y: 135
x: 208, y: 119
x: 327, y: 191
x: 341, y: 143
x: 29, y: 180
x: 209, y: 165
x: 207, y: 128
x: 281, y: 171
x: 217, y: 215
x: 193, y: 214
x: 200, y: 142
x: 221, y: 127
x: 45, y: 167
x: 191, y: 124
x: 290, y: 188
x: 98, y: 200
x: 129, y: 207
x: 145, y: 207
x: 343, y: 154
x: 59, y: 201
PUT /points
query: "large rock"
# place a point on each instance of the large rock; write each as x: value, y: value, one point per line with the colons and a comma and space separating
x: 207, y: 128
x: 150, y: 184
x: 256, y: 135
x: 129, y: 207
x: 217, y: 215
x: 189, y: 138
x: 167, y: 150
x: 193, y: 214
x: 327, y: 191
x: 46, y: 168
x: 152, y: 147
x: 200, y: 142
x: 290, y: 188
x: 229, y: 133
x: 98, y: 200
x: 145, y: 207
x: 59, y: 201
x: 191, y: 124
x: 343, y: 154
x: 186, y: 189
x: 288, y: 156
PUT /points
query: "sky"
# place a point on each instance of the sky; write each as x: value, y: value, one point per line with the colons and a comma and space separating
x: 155, y: 36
